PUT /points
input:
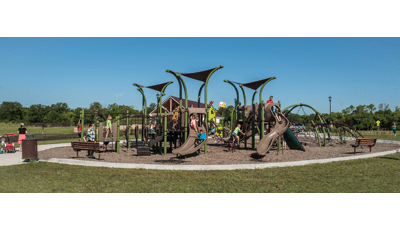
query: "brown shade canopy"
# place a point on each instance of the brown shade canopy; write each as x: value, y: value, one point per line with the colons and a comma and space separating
x: 158, y: 87
x: 200, y: 76
x: 255, y: 84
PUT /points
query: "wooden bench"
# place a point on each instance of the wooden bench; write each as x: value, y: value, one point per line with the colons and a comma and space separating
x: 370, y: 142
x: 92, y: 146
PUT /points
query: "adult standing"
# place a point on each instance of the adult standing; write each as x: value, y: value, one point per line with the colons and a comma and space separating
x: 394, y: 128
x: 21, y: 135
x: 331, y: 126
x: 90, y: 138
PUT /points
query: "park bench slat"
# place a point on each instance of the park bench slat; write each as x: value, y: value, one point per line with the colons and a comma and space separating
x: 370, y: 142
x: 92, y: 146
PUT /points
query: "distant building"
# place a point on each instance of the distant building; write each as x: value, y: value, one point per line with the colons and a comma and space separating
x: 171, y: 105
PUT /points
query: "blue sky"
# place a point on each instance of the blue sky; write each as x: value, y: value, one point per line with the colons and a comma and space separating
x: 80, y: 71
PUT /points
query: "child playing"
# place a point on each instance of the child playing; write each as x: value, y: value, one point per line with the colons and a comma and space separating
x: 174, y: 123
x: 80, y: 130
x: 193, y: 123
x: 151, y: 131
x: 2, y: 144
x: 109, y: 126
x: 213, y: 131
x: 284, y: 145
x: 236, y: 132
x: 201, y: 137
x: 278, y: 115
x: 270, y: 99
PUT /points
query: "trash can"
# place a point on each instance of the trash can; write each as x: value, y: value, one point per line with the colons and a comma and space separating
x: 29, y: 149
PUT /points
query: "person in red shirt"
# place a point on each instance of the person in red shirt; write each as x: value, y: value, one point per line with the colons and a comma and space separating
x: 270, y: 100
x: 80, y: 130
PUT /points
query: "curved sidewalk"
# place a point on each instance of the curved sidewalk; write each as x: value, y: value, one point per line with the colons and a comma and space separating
x: 16, y: 158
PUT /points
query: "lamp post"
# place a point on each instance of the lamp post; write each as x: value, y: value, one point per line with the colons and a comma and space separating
x: 330, y: 111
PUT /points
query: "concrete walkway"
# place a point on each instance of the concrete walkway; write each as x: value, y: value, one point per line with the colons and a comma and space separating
x: 16, y: 158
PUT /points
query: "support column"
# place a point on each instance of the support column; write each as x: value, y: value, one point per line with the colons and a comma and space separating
x: 117, y: 144
x: 253, y: 135
x: 261, y: 106
x: 127, y: 130
x: 279, y: 138
x: 165, y: 133
x: 82, y: 123
x: 97, y: 133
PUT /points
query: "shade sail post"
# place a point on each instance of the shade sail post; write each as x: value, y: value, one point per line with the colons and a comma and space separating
x: 237, y: 92
x: 180, y: 99
x: 199, y: 96
x: 205, y: 100
x: 144, y: 101
x: 161, y: 94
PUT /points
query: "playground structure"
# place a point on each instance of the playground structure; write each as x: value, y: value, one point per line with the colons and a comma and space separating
x: 289, y: 109
x: 320, y: 128
x: 257, y: 118
x: 167, y: 127
x: 249, y: 116
x: 340, y: 129
x: 252, y: 118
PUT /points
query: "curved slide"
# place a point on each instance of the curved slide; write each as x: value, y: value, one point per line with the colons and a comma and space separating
x: 292, y: 141
x: 189, y: 145
x: 279, y: 129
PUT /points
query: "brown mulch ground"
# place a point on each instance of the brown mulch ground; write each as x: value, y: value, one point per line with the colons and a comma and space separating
x: 218, y: 154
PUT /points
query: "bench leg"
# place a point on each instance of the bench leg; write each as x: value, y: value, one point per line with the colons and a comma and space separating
x: 99, y: 156
x: 369, y: 148
x: 77, y: 154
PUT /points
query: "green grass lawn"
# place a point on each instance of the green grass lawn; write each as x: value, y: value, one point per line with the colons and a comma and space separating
x: 383, y: 137
x: 13, y: 128
x: 381, y: 174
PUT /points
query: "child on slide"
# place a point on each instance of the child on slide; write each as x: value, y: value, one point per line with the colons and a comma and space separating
x: 193, y: 123
x: 278, y: 115
x: 201, y: 137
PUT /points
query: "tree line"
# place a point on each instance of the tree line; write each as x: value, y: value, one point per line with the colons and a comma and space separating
x: 362, y: 117
x: 60, y: 112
